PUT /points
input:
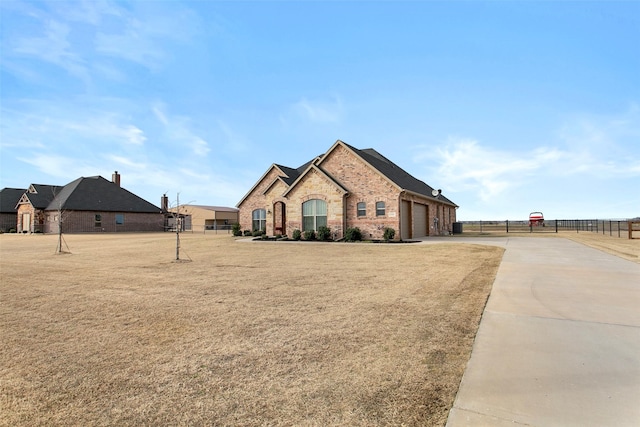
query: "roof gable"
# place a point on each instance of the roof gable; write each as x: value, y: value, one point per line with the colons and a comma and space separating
x: 388, y: 170
x: 285, y: 172
x: 322, y: 173
x: 39, y: 195
x: 394, y: 173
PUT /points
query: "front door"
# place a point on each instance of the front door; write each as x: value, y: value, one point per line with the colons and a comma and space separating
x: 26, y: 222
x: 280, y: 218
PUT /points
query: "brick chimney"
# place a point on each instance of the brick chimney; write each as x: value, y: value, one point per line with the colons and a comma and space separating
x: 115, y: 178
x: 164, y: 203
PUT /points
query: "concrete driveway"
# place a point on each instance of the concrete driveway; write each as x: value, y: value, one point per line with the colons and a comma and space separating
x: 559, y: 340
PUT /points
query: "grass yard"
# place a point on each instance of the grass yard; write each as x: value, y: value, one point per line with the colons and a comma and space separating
x: 251, y: 334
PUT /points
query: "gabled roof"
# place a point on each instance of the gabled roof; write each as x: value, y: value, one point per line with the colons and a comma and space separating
x: 385, y: 167
x: 40, y: 195
x: 9, y: 198
x: 396, y: 174
x: 322, y: 173
x: 98, y: 194
x: 285, y: 176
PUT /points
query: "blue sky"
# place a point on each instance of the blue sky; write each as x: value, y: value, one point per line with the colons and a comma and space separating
x: 508, y: 107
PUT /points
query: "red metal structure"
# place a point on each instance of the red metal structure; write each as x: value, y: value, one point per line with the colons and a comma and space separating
x: 536, y: 219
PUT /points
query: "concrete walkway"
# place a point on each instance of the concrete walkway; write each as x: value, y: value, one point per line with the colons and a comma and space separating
x: 559, y: 340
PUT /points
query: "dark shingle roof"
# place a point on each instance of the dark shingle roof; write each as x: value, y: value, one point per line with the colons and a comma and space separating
x: 9, y: 198
x: 41, y: 195
x: 98, y: 194
x: 396, y: 174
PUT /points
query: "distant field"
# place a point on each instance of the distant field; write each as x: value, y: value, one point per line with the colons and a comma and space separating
x: 623, y: 247
x: 117, y: 333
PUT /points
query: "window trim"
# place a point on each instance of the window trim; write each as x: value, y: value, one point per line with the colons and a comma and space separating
x: 315, y: 215
x: 363, y: 210
x: 381, y: 208
x: 261, y: 219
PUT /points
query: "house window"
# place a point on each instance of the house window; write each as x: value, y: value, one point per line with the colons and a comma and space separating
x: 314, y: 214
x: 362, y: 209
x: 259, y: 222
x: 98, y: 220
x: 380, y: 211
x: 119, y: 219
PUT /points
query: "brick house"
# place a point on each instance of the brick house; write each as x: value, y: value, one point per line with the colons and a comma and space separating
x: 9, y: 198
x: 342, y: 188
x: 91, y: 204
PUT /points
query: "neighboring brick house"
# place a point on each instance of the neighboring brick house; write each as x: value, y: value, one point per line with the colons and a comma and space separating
x: 91, y: 204
x: 9, y: 198
x: 346, y: 187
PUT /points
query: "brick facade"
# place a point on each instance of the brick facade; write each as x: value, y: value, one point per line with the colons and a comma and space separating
x: 85, y: 222
x: 343, y: 179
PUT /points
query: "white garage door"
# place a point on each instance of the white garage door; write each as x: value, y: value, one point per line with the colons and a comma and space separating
x: 420, y: 220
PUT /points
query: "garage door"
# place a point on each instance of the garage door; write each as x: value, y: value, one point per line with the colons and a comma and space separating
x: 420, y: 220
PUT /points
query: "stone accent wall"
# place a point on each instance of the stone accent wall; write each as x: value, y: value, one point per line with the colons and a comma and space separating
x: 36, y: 218
x: 316, y: 186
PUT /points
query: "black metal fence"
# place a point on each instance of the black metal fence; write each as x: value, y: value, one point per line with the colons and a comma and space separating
x: 610, y: 227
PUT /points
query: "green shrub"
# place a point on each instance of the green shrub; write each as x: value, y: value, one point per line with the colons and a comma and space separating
x: 258, y: 233
x: 389, y: 234
x: 247, y: 232
x: 296, y: 234
x: 309, y: 235
x: 324, y: 233
x: 353, y: 234
x: 235, y: 229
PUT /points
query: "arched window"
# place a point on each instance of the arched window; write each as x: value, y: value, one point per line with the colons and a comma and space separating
x: 259, y: 220
x: 314, y: 214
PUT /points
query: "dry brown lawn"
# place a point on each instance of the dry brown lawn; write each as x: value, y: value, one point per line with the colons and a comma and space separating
x: 252, y: 334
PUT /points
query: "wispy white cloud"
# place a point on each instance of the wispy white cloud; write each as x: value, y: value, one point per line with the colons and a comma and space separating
x: 234, y: 141
x: 594, y: 148
x: 316, y: 111
x: 54, y: 47
x: 179, y: 129
x: 69, y: 126
x: 466, y: 165
x: 88, y: 38
x: 60, y: 166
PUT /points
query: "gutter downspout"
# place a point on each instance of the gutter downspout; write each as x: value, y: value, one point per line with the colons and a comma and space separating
x: 400, y: 212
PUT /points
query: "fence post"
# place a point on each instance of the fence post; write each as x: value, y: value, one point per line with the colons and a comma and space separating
x: 507, y: 225
x: 556, y: 226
